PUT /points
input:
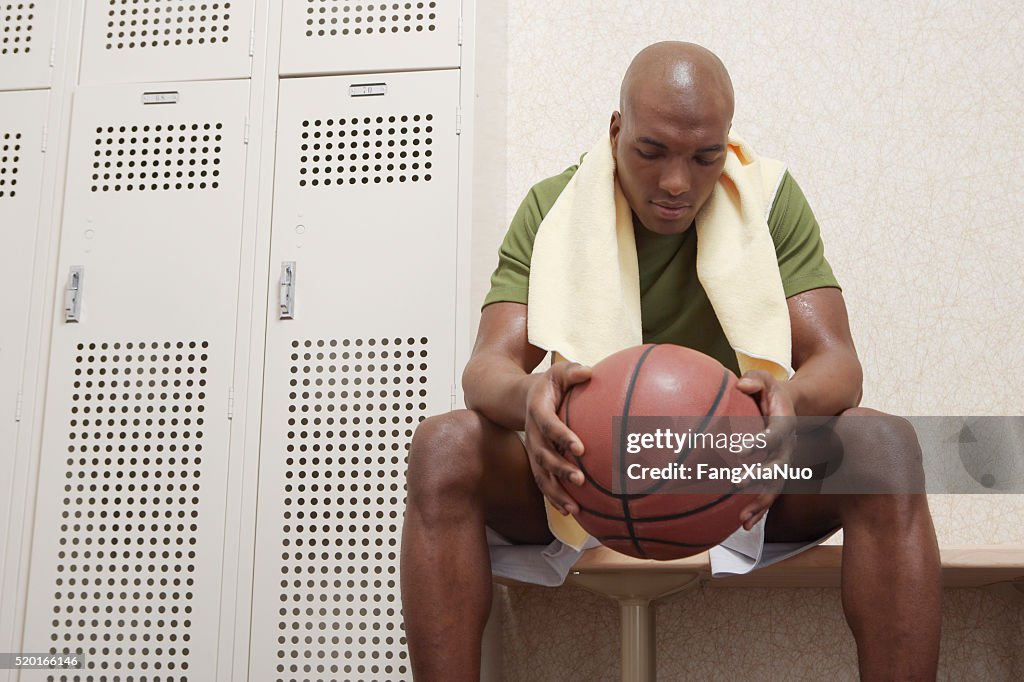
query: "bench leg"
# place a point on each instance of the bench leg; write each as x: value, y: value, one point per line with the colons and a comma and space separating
x: 634, y: 592
x: 638, y: 641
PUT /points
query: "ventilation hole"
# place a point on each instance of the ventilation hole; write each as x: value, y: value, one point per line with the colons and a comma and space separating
x: 10, y: 156
x: 361, y: 150
x: 124, y: 588
x: 358, y: 17
x: 353, y: 407
x: 157, y: 157
x: 16, y: 24
x: 139, y: 24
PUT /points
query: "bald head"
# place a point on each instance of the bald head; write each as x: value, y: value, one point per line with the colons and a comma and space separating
x: 670, y: 137
x: 675, y: 75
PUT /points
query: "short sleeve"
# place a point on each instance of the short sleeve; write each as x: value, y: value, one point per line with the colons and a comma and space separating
x: 798, y: 245
x: 511, y: 279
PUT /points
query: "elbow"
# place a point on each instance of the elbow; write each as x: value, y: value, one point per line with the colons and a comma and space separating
x: 856, y: 382
x: 468, y: 394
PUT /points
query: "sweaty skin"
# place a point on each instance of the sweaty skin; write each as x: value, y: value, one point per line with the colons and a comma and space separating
x: 467, y: 468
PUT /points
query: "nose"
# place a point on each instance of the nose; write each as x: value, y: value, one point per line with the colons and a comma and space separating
x: 675, y: 178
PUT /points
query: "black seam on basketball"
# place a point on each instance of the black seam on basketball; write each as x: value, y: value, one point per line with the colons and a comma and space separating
x: 636, y: 496
x: 605, y: 538
x: 665, y: 517
x: 623, y: 432
x: 703, y: 425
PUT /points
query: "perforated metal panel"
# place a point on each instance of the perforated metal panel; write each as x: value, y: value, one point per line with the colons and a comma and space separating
x: 10, y: 160
x: 335, y: 150
x: 128, y: 540
x: 349, y: 36
x: 368, y: 355
x: 166, y: 40
x: 27, y: 31
x: 21, y: 174
x: 157, y: 157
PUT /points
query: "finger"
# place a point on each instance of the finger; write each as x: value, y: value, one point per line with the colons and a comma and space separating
x: 555, y: 493
x: 779, y: 442
x: 754, y: 381
x: 560, y: 436
x: 574, y: 374
x: 773, y: 444
x: 555, y: 464
x: 753, y: 510
x: 547, y: 480
x: 751, y: 385
x: 760, y: 450
x: 754, y: 520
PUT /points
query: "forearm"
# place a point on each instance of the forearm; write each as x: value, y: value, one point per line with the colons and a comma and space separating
x: 826, y: 384
x: 496, y: 387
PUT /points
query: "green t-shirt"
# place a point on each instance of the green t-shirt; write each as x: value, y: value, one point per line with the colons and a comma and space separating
x: 673, y: 305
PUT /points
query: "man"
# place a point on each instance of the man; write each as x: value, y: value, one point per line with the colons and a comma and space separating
x: 468, y: 469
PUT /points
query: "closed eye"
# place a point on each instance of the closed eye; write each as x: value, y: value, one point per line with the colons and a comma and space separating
x: 646, y: 155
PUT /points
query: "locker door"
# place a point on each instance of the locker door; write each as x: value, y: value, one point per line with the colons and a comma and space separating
x: 166, y: 40
x: 365, y: 207
x: 22, y: 115
x: 26, y: 35
x: 351, y: 36
x: 129, y: 530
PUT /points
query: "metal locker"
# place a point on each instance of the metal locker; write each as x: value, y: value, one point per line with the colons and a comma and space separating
x: 22, y: 115
x: 129, y: 526
x: 166, y: 40
x: 353, y: 36
x: 360, y: 348
x: 27, y: 32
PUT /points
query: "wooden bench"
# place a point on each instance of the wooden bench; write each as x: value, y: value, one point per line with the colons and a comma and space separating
x: 635, y: 584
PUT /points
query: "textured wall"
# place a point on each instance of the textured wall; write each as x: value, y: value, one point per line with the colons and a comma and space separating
x: 902, y: 123
x: 570, y: 635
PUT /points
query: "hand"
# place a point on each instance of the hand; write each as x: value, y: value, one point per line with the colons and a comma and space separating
x: 548, y: 438
x: 776, y: 406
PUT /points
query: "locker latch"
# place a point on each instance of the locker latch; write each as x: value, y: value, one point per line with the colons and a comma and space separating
x: 287, y: 293
x: 73, y: 294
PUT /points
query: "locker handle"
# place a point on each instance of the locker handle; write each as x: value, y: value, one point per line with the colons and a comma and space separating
x: 73, y: 294
x: 286, y: 292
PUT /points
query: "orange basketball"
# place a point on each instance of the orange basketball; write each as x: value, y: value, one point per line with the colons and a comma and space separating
x: 650, y: 518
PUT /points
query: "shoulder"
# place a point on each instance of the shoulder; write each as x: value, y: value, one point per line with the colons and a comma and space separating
x: 542, y: 196
x: 790, y: 211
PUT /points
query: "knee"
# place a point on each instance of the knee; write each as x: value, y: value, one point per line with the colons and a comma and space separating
x: 445, y: 462
x: 883, y: 515
x: 881, y: 453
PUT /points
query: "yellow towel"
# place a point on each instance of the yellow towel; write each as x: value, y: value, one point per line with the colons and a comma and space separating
x: 584, y: 294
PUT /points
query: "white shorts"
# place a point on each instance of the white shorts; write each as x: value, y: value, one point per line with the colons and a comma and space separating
x: 742, y: 552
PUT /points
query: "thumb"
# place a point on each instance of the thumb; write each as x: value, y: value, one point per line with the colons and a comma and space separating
x: 753, y: 381
x: 576, y: 373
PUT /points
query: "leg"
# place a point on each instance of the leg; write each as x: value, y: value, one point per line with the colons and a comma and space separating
x: 464, y: 471
x: 891, y: 576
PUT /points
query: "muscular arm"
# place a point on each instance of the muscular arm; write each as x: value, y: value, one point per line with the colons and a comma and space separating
x: 497, y: 376
x: 498, y: 384
x: 828, y: 377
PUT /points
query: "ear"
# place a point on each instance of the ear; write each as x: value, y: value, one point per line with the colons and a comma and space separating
x: 614, y: 128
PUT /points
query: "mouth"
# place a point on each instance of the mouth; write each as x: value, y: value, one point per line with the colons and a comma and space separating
x: 670, y: 211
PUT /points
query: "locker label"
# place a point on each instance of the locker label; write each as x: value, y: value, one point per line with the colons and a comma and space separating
x: 159, y: 98
x: 367, y: 89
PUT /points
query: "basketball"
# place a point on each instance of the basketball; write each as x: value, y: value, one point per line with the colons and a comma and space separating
x: 637, y: 390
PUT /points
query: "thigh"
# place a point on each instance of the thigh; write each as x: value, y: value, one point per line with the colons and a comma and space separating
x: 801, y: 514
x: 801, y: 518
x: 513, y: 504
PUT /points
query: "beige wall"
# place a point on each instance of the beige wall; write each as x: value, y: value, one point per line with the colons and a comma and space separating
x: 902, y: 122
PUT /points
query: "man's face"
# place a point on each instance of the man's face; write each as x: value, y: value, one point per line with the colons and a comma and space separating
x: 668, y: 159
